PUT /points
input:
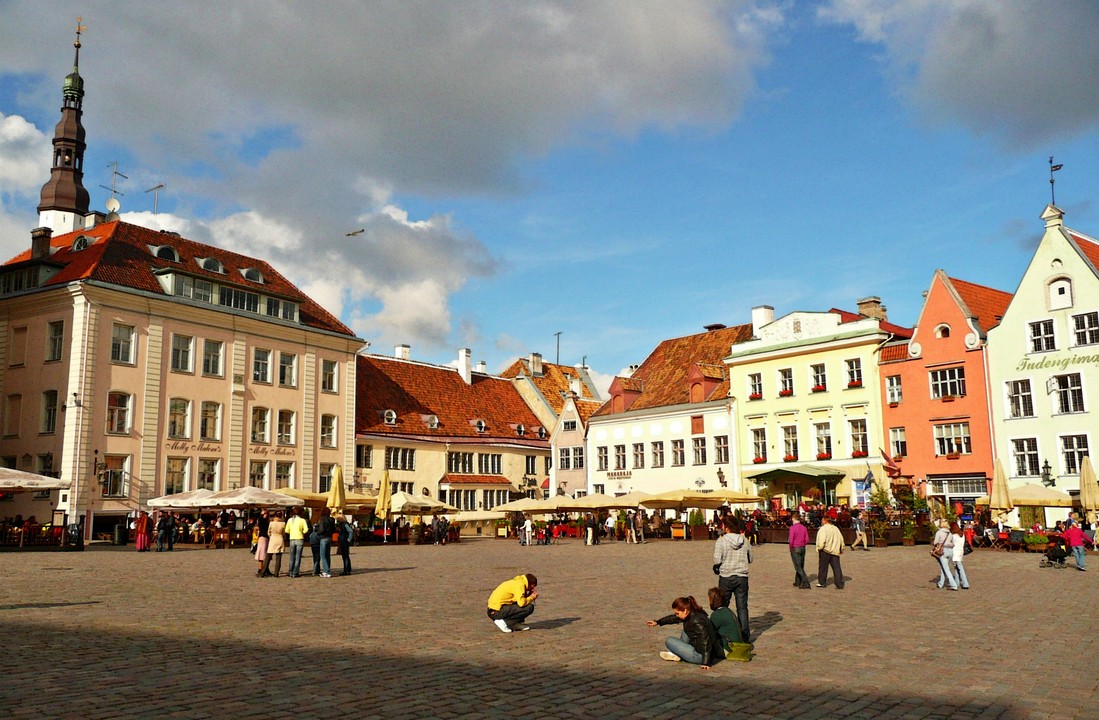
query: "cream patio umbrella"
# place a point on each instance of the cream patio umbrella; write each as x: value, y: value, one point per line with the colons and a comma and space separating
x: 630, y: 500
x: 311, y: 499
x: 381, y: 506
x: 999, y: 499
x: 707, y: 500
x: 336, y: 500
x: 527, y: 505
x: 246, y: 497
x: 1089, y: 489
x: 13, y: 481
x: 181, y: 501
x: 595, y: 501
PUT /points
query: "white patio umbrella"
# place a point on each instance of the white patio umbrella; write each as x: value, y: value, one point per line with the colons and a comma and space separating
x: 181, y: 501
x: 13, y: 481
x: 248, y: 496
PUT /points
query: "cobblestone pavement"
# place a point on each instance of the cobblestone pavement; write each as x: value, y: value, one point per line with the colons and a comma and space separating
x: 110, y: 633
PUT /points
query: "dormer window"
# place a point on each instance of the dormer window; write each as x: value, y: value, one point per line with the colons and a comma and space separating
x: 432, y: 422
x: 211, y: 265
x: 252, y: 274
x: 520, y: 430
x: 480, y: 426
x: 541, y: 433
x: 942, y: 331
x: 390, y: 417
x: 165, y: 252
x: 81, y: 242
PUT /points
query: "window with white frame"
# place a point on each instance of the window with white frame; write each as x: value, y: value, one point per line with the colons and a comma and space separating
x: 1041, y: 336
x: 893, y: 392
x: 324, y: 478
x: 721, y: 449
x: 755, y: 385
x: 398, y: 458
x: 785, y: 382
x: 329, y: 377
x: 1020, y: 402
x: 564, y: 461
x: 1073, y: 450
x: 818, y: 378
x: 638, y: 456
x: 678, y: 458
x: 489, y: 463
x: 175, y: 475
x: 947, y: 382
x: 49, y: 413
x: 854, y: 372
x: 569, y: 426
x: 209, y: 423
x: 1070, y: 393
x: 211, y: 357
x: 261, y: 365
x: 286, y: 427
x: 460, y: 463
x: 288, y: 369
x: 284, y: 475
x: 531, y: 464
x: 122, y: 344
x: 657, y: 448
x: 898, y: 444
x: 328, y: 431
x: 1086, y: 328
x: 364, y: 456
x: 55, y: 340
x: 823, y: 433
x: 179, y: 418
x: 261, y: 422
x: 952, y: 439
x: 619, y: 457
x: 238, y: 299
x: 859, y: 437
x: 790, y: 442
x: 577, y: 458
x: 115, y: 475
x: 181, y: 352
x: 698, y: 446
x: 207, y: 478
x: 759, y: 444
x: 602, y: 458
x: 118, y: 413
x: 1025, y: 453
x: 257, y: 473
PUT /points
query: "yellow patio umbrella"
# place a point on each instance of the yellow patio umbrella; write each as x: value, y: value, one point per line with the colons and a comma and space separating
x: 381, y: 507
x: 709, y: 500
x: 336, y: 499
x: 999, y: 499
x: 595, y: 501
x: 1089, y: 489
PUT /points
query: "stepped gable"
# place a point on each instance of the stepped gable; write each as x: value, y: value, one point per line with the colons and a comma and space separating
x: 662, y: 379
x: 119, y: 255
x: 554, y: 383
x: 416, y: 390
x: 987, y: 305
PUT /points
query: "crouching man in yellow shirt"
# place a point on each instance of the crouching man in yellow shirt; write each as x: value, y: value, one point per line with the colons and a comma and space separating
x: 512, y: 602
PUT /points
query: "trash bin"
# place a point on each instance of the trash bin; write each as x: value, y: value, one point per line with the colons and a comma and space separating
x: 120, y: 534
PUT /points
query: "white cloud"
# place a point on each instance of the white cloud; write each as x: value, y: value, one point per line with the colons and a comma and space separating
x: 1019, y: 69
x: 25, y: 155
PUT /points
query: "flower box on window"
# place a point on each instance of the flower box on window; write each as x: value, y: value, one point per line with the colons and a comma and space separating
x: 953, y: 456
x: 785, y: 393
x: 755, y: 396
x: 824, y: 456
x: 819, y: 388
x: 947, y: 398
x: 759, y: 460
x: 790, y: 458
x: 855, y: 384
x: 858, y: 453
x: 894, y: 404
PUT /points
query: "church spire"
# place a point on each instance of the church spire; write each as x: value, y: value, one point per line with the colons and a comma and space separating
x: 64, y: 200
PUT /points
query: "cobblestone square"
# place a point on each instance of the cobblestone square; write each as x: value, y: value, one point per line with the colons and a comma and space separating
x: 110, y: 633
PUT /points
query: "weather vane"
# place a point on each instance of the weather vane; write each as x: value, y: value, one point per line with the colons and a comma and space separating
x: 1052, y: 169
x: 79, y: 29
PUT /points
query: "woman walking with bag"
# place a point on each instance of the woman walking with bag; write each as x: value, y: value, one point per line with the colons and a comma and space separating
x: 958, y: 555
x: 942, y: 549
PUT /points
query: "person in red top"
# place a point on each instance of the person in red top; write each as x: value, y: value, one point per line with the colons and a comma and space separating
x: 1076, y: 539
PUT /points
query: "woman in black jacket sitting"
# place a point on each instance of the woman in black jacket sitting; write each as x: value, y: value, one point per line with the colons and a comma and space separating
x: 698, y: 643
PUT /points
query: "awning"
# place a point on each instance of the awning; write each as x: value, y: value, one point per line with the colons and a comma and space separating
x: 808, y: 472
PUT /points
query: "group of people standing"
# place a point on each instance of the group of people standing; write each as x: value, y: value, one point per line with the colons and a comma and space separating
x: 270, y: 536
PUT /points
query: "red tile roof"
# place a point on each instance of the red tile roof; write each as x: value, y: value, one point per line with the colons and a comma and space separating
x: 1088, y: 246
x: 986, y: 304
x: 475, y: 479
x: 416, y: 391
x: 554, y: 382
x: 846, y: 317
x: 120, y: 256
x: 894, y: 352
x: 663, y: 378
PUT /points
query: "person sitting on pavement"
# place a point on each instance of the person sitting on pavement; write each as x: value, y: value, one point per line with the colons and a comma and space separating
x: 723, y: 619
x: 512, y: 602
x: 698, y: 643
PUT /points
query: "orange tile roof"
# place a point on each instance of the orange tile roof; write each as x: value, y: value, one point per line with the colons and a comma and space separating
x: 986, y: 304
x: 554, y: 382
x: 847, y: 316
x: 416, y: 390
x: 894, y: 352
x: 120, y: 256
x: 475, y: 479
x: 1088, y: 246
x: 587, y: 408
x: 662, y: 378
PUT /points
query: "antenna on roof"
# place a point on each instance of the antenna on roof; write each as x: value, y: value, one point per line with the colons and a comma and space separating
x: 156, y: 194
x: 558, y: 334
x: 1052, y: 169
x: 115, y: 174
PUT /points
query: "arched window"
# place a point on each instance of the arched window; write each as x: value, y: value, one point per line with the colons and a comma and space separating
x: 1060, y: 293
x: 166, y: 252
x: 942, y: 331
x: 211, y: 264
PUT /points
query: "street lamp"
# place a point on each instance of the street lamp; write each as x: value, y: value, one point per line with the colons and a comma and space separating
x: 721, y: 478
x: 1047, y: 475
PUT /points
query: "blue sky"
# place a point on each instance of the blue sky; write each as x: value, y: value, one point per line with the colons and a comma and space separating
x: 618, y: 173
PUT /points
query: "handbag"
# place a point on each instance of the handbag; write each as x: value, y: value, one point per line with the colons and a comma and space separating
x: 968, y: 548
x: 739, y: 651
x: 937, y: 551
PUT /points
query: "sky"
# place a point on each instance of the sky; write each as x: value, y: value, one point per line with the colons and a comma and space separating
x: 619, y: 173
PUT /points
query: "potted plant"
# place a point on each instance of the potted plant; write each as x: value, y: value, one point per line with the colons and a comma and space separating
x: 785, y: 392
x: 854, y: 384
x: 824, y: 456
x: 880, y: 528
x: 759, y: 460
x: 908, y: 531
x: 858, y: 453
x: 697, y: 523
x: 766, y: 493
x: 790, y: 458
x: 755, y: 396
x: 1035, y: 542
x: 819, y: 388
x: 815, y: 494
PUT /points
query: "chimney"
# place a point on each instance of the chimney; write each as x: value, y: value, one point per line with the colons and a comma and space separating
x: 463, y: 365
x: 40, y: 243
x: 762, y: 315
x: 576, y: 385
x: 536, y: 364
x: 402, y: 352
x: 481, y: 366
x: 871, y: 307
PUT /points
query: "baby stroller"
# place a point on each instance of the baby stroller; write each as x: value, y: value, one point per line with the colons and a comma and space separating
x: 1056, y: 552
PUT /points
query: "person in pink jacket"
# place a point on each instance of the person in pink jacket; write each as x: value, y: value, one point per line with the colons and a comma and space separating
x: 1076, y: 540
